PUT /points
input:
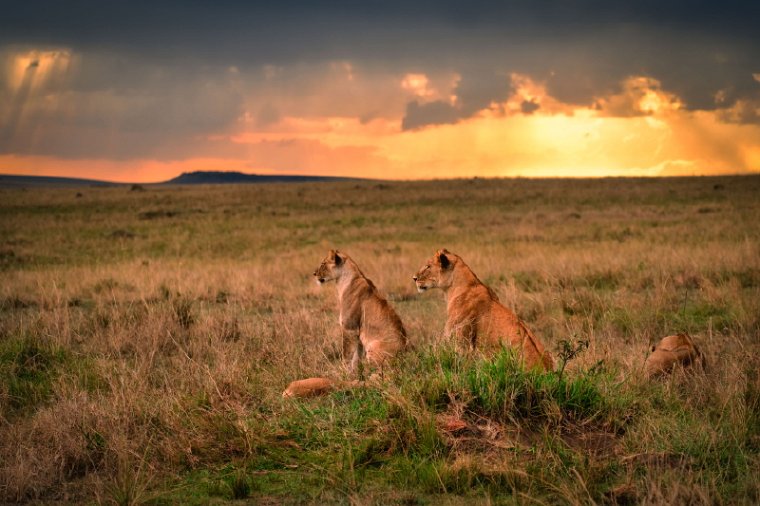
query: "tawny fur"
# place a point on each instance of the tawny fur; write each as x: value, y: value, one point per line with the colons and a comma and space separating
x: 310, y: 387
x: 313, y: 387
x: 474, y: 313
x: 678, y: 349
x: 369, y: 325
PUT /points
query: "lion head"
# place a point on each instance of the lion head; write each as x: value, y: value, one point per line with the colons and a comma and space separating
x: 330, y: 268
x: 437, y: 272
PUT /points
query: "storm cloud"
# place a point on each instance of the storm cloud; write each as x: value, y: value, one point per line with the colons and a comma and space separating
x: 162, y: 79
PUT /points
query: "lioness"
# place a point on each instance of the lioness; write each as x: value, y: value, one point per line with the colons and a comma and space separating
x: 671, y: 351
x: 474, y: 313
x: 369, y: 325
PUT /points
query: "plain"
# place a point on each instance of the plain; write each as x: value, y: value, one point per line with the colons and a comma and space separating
x: 146, y: 336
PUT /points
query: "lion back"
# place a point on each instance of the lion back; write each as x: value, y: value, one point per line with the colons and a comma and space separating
x: 673, y: 350
x: 536, y: 347
x: 382, y: 332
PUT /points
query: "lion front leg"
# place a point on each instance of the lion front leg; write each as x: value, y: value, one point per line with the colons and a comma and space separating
x: 351, y: 348
x: 463, y: 332
x: 356, y: 365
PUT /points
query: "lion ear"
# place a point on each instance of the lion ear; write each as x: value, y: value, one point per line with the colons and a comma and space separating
x: 443, y: 259
x: 338, y: 258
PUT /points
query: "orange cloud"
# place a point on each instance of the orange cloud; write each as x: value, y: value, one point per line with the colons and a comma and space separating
x: 426, y: 88
x: 639, y: 96
x: 651, y: 135
x: 418, y: 85
x: 661, y: 140
x: 530, y: 96
x: 642, y: 129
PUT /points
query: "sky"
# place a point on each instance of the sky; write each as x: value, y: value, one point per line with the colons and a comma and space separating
x: 140, y: 91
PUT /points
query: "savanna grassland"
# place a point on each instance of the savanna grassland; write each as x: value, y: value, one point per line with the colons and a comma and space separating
x: 146, y: 337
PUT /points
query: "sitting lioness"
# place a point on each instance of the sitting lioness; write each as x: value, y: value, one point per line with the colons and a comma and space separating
x: 671, y: 351
x: 369, y: 325
x: 474, y: 313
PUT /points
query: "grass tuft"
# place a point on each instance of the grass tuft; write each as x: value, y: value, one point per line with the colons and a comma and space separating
x: 28, y: 367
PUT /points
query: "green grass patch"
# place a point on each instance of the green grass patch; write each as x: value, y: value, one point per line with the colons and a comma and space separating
x: 27, y: 370
x: 499, y: 387
x: 368, y: 439
x: 701, y: 315
x: 711, y: 440
x: 502, y: 389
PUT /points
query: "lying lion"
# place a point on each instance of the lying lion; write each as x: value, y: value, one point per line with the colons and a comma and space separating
x: 474, y: 313
x: 369, y: 325
x: 678, y: 349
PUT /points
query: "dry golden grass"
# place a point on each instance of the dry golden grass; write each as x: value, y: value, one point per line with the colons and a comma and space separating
x: 145, y: 339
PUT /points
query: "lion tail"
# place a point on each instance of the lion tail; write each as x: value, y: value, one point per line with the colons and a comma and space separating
x: 546, y: 358
x: 315, y: 387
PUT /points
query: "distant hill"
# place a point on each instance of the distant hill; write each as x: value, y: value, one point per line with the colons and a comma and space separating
x: 200, y: 177
x: 216, y: 177
x: 25, y: 181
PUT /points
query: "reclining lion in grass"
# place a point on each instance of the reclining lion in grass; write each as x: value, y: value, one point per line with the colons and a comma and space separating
x: 370, y: 326
x: 474, y: 313
x: 672, y: 351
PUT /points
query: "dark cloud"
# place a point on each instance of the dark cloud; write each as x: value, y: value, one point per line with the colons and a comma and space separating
x: 474, y: 91
x: 529, y: 107
x: 432, y: 113
x: 157, y: 71
x: 150, y: 112
x: 177, y: 23
x: 478, y: 88
x: 745, y: 111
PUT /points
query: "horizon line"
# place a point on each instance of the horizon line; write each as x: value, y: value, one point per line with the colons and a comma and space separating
x: 74, y: 180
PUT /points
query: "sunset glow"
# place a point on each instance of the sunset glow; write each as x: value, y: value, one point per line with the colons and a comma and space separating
x: 66, y: 113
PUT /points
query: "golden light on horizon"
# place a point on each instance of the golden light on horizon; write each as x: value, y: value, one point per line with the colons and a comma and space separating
x: 584, y: 143
x: 639, y: 130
